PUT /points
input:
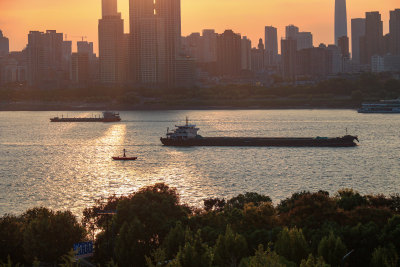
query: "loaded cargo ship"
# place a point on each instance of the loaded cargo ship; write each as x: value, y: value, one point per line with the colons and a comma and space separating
x: 108, y: 116
x: 187, y: 135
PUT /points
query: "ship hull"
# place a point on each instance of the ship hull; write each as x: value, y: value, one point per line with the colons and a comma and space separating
x: 84, y: 120
x: 346, y: 141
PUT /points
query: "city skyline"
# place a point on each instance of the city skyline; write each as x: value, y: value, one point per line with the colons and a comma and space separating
x: 18, y: 17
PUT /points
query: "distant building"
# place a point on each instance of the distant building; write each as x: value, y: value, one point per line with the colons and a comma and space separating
x: 394, y: 29
x: 170, y: 12
x: 340, y: 20
x: 229, y: 53
x: 377, y: 64
x: 335, y: 60
x: 258, y: 58
x: 357, y: 31
x: 246, y: 53
x: 343, y: 44
x: 373, y: 39
x: 271, y: 45
x: 80, y: 68
x: 185, y: 72
x: 289, y: 58
x: 111, y: 40
x: 86, y: 47
x: 153, y: 51
x: 46, y: 55
x: 392, y: 63
x: 209, y: 51
x: 303, y: 39
x: 313, y: 62
x: 13, y: 68
x: 4, y: 45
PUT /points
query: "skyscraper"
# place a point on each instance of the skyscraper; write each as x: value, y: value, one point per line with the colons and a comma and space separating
x: 209, y: 46
x: 170, y: 12
x: 303, y: 39
x: 111, y: 40
x: 357, y: 31
x: 165, y: 12
x: 373, y: 39
x: 343, y: 44
x: 271, y: 45
x: 289, y: 57
x: 340, y: 19
x: 4, y: 45
x: 292, y: 32
x: 394, y: 29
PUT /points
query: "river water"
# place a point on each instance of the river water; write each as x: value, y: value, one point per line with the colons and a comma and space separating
x: 68, y: 165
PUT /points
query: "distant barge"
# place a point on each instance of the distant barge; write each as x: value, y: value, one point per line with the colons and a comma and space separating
x: 108, y: 116
x: 187, y: 136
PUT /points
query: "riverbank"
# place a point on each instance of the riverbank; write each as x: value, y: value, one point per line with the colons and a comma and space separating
x: 178, y: 105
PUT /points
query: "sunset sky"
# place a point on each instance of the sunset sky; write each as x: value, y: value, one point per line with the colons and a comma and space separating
x: 248, y: 17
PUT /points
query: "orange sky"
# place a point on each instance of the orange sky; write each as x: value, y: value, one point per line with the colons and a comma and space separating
x: 248, y: 17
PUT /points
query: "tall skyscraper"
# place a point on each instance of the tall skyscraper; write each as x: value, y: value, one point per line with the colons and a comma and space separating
x: 357, y: 31
x: 170, y: 12
x: 271, y: 45
x: 165, y: 12
x: 340, y: 19
x: 394, y: 29
x: 4, y: 45
x: 111, y: 41
x: 373, y: 39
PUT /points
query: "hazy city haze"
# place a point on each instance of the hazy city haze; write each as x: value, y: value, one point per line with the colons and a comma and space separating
x: 77, y: 18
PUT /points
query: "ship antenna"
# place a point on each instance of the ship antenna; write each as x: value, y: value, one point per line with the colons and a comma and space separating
x: 187, y: 121
x: 346, y: 132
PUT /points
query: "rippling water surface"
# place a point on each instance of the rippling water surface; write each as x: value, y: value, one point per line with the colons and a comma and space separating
x: 69, y: 166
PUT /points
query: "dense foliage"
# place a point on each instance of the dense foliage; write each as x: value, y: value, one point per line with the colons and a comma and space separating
x: 346, y: 91
x: 152, y: 228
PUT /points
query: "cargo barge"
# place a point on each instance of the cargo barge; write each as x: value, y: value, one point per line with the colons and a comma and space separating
x: 187, y: 135
x: 108, y: 116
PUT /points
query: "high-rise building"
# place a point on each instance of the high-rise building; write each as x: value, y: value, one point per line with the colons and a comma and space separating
x: 312, y: 62
x: 170, y: 12
x: 4, y: 45
x: 340, y: 19
x: 111, y: 40
x: 289, y: 58
x: 258, y: 57
x: 357, y: 31
x: 80, y: 68
x: 153, y: 51
x: 246, y: 53
x: 304, y: 39
x: 209, y: 46
x: 394, y: 29
x: 86, y: 47
x: 343, y: 44
x: 229, y: 53
x: 45, y: 54
x: 166, y: 12
x: 373, y: 39
x: 271, y: 45
x: 292, y: 31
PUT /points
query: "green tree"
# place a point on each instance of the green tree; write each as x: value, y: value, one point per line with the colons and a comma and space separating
x: 349, y: 199
x: 266, y: 258
x: 385, y: 257
x: 240, y: 201
x: 11, y: 238
x: 332, y: 249
x: 229, y: 249
x: 311, y: 261
x: 292, y: 245
x: 50, y: 235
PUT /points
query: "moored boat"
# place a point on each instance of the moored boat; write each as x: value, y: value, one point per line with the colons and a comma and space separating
x: 187, y: 135
x: 383, y: 106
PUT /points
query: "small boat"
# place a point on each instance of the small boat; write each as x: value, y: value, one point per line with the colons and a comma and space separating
x: 124, y: 158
